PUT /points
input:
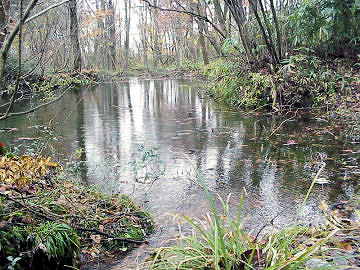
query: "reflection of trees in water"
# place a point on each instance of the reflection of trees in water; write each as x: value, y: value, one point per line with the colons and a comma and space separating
x: 80, y: 136
x: 153, y: 112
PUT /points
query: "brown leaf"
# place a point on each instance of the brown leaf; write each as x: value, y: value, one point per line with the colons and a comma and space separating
x: 68, y: 184
x: 346, y: 245
x: 107, y: 220
x: 27, y: 219
x: 96, y: 238
x: 62, y: 200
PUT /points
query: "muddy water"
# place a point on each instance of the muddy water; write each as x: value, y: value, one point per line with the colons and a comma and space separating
x: 145, y: 137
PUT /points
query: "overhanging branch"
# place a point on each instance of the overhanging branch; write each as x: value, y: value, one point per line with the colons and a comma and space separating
x: 4, y: 116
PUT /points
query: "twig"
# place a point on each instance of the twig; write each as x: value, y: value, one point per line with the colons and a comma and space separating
x: 264, y: 226
x: 30, y: 207
x: 109, y: 236
x: 283, y: 122
x: 198, y: 16
x: 45, y: 10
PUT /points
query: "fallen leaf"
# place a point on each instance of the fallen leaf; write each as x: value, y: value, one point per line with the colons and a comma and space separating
x: 346, y: 245
x: 108, y: 220
x: 27, y: 219
x: 96, y: 238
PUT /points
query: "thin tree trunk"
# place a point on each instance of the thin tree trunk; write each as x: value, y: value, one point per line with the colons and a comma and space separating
x: 266, y: 36
x: 220, y: 16
x: 111, y: 29
x: 4, y: 15
x: 10, y: 39
x: 144, y: 41
x: 203, y: 47
x: 272, y: 49
x: 127, y: 33
x: 277, y: 28
x: 237, y: 11
x: 74, y: 35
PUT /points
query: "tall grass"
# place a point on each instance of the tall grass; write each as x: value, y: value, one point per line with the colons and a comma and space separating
x: 218, y: 241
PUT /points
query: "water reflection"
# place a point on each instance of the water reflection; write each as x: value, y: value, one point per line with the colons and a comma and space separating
x: 103, y: 127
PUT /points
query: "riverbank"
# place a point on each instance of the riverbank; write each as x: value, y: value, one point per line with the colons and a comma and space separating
x: 218, y: 241
x: 302, y: 81
x: 48, y: 221
x: 49, y: 83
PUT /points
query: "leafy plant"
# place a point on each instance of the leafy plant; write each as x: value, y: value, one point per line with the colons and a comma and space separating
x: 329, y: 24
x: 56, y: 240
x: 147, y: 165
x: 218, y: 242
x: 13, y: 261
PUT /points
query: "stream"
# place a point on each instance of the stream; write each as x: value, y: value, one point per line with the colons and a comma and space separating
x: 145, y: 138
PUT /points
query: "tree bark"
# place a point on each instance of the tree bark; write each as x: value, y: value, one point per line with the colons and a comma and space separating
x: 203, y: 45
x: 74, y: 35
x: 277, y: 28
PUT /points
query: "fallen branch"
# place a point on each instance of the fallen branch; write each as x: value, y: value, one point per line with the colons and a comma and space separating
x: 4, y: 116
x: 109, y: 236
x: 283, y: 122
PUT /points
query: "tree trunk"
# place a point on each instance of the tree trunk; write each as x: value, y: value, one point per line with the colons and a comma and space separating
x: 10, y: 39
x: 203, y: 43
x: 143, y: 31
x: 277, y: 27
x: 127, y: 33
x: 4, y: 15
x: 220, y: 16
x: 111, y: 35
x: 74, y: 35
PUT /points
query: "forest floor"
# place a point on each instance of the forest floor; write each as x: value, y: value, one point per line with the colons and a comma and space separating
x: 48, y: 221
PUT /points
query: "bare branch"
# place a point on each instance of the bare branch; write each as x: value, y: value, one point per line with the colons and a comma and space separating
x: 4, y: 116
x: 46, y: 10
x: 198, y: 16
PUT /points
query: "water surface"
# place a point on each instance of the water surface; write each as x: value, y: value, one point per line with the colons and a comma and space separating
x: 104, y: 133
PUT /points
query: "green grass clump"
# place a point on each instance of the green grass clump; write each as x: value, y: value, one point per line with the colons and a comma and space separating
x: 218, y: 242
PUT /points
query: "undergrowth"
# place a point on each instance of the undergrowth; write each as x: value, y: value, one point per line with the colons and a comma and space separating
x: 302, y: 81
x: 218, y: 241
x: 46, y: 221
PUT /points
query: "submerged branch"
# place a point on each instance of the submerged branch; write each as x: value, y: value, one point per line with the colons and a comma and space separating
x: 109, y: 236
x: 4, y: 116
